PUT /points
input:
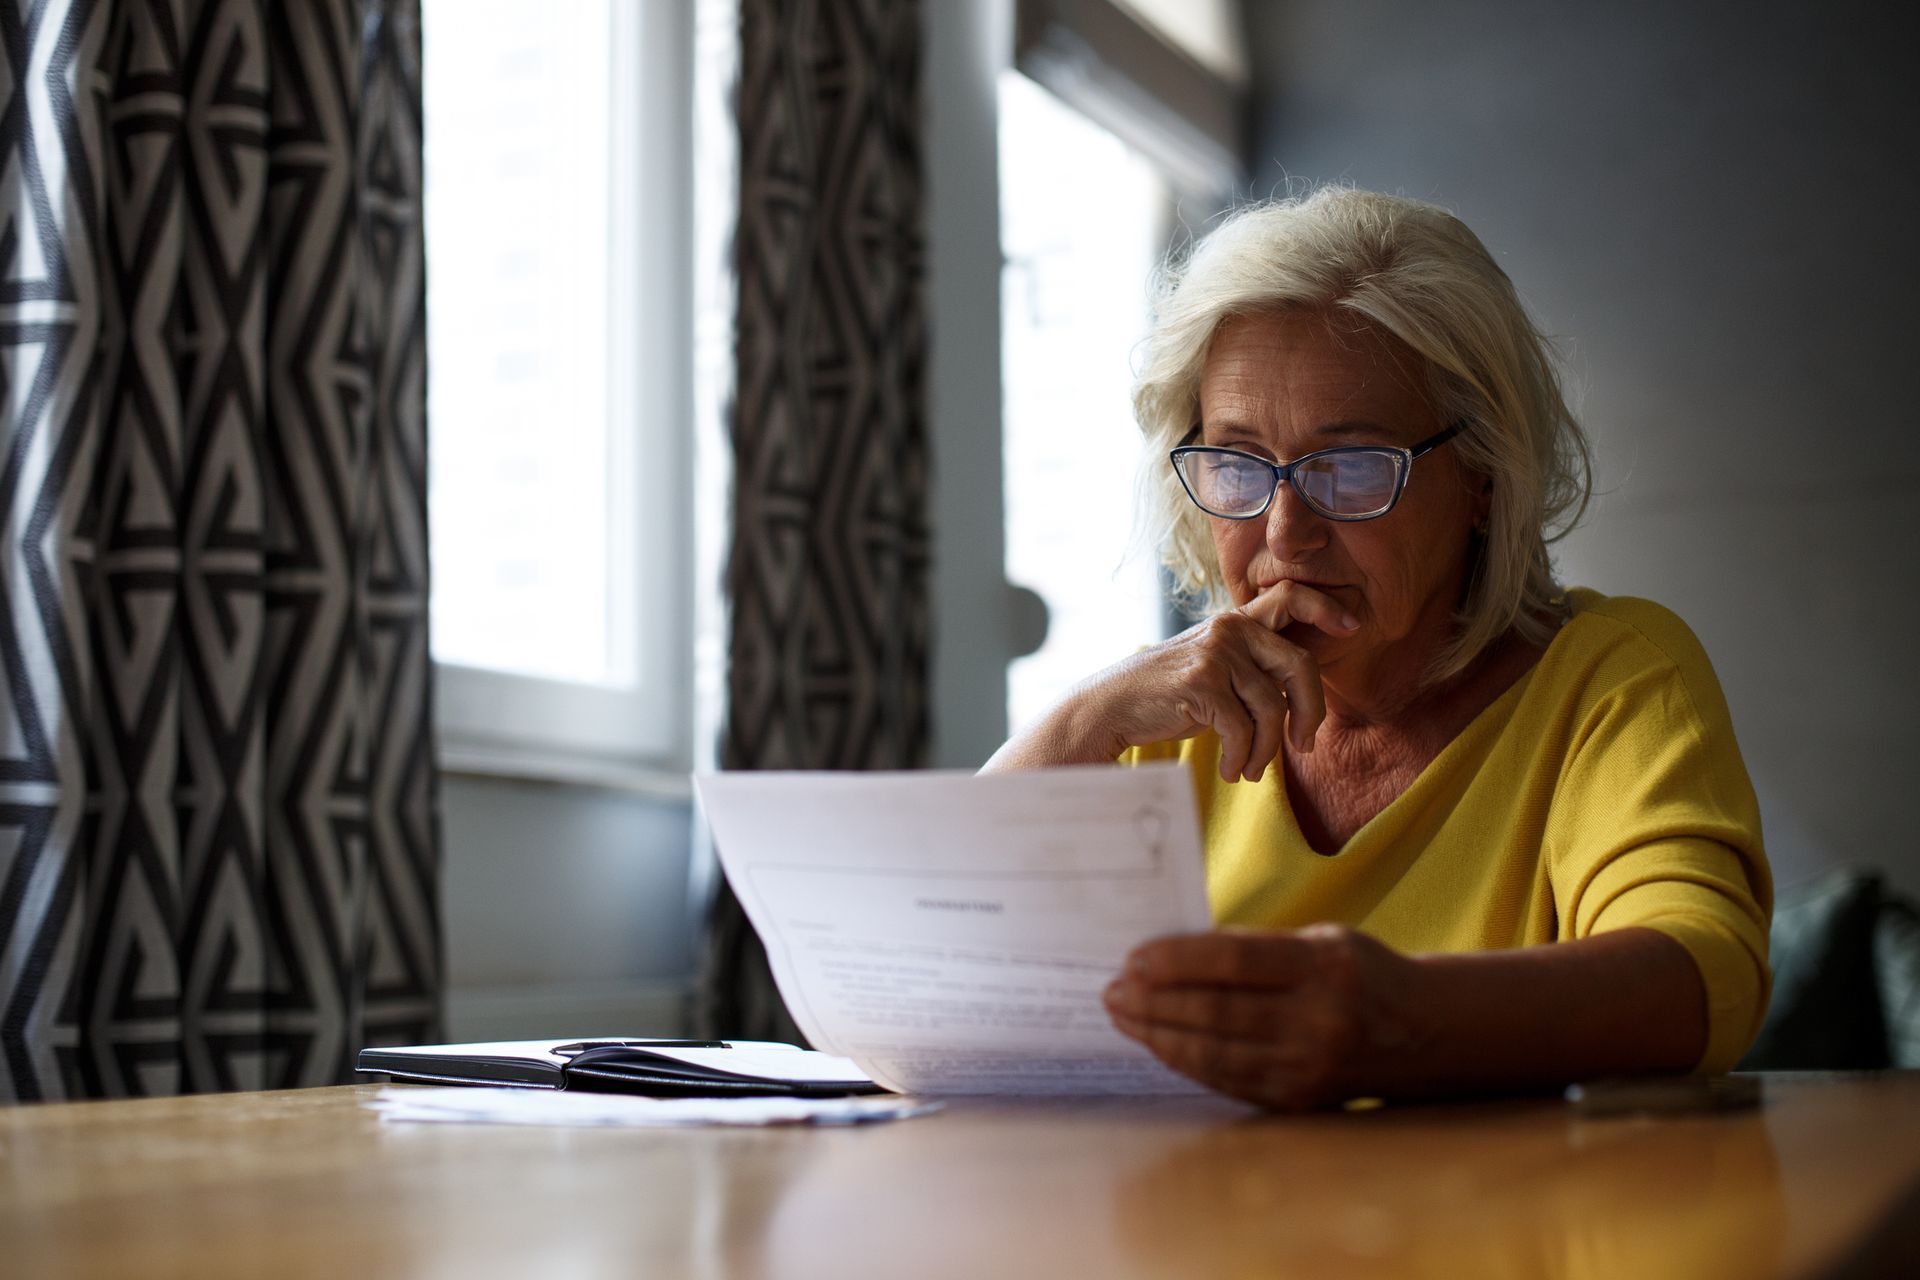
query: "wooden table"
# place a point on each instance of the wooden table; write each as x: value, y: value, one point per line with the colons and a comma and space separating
x: 310, y: 1183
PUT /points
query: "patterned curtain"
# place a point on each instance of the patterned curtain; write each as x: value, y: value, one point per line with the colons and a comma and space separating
x: 827, y: 578
x: 218, y: 833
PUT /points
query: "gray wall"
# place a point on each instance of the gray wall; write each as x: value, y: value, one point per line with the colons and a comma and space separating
x: 1714, y: 207
x: 565, y: 909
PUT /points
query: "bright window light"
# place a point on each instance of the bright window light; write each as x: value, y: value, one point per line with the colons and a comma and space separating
x: 529, y: 487
x: 1082, y: 223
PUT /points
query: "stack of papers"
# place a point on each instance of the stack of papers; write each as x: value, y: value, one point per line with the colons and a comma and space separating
x: 604, y: 1110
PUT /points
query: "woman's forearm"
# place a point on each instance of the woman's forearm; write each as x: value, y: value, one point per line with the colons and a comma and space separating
x: 1065, y: 735
x: 1296, y: 1018
x: 1621, y: 1003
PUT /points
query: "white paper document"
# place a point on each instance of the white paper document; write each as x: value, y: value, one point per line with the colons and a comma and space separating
x: 618, y: 1110
x: 952, y: 933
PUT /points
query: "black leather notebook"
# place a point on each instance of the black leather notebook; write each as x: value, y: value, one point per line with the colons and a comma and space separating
x: 656, y: 1068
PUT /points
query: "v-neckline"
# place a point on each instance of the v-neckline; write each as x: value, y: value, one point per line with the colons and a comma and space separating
x: 1458, y: 744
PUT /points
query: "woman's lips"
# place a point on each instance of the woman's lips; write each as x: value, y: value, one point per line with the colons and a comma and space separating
x: 1300, y: 582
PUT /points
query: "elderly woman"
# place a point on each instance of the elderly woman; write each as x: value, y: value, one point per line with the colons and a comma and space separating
x: 1465, y: 830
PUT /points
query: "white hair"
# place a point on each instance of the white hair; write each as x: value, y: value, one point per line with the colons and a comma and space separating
x: 1417, y: 272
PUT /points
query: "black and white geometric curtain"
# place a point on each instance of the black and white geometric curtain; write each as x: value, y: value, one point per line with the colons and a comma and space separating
x: 218, y: 830
x: 827, y: 576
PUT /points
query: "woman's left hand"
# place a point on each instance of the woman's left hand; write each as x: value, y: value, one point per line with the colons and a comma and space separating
x: 1291, y: 1019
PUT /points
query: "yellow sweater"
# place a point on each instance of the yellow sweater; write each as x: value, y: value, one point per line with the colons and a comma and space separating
x: 1602, y: 791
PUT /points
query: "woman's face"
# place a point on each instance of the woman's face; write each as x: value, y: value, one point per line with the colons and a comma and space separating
x: 1286, y: 383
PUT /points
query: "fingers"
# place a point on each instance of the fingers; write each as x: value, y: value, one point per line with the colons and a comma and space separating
x: 1195, y: 1053
x: 1298, y: 673
x: 1274, y: 689
x: 1227, y: 716
x: 1231, y: 674
x: 1223, y: 958
x: 1276, y: 608
x: 1263, y: 698
x: 1287, y: 602
x: 1220, y: 1011
x: 1228, y: 691
x: 1263, y: 1073
x: 1288, y: 1019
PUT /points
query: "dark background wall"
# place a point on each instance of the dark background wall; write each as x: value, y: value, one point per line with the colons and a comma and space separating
x: 1715, y: 207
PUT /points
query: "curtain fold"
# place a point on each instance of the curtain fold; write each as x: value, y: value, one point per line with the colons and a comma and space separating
x: 218, y: 809
x: 827, y: 574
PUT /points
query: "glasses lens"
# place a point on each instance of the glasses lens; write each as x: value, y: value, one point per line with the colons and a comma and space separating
x: 1227, y: 484
x: 1359, y: 483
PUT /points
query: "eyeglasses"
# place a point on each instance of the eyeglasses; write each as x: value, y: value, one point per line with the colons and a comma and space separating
x: 1352, y: 482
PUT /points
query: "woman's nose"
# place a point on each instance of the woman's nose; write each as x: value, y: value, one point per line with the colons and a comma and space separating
x: 1293, y: 526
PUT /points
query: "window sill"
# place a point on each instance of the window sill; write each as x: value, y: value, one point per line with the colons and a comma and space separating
x: 498, y: 764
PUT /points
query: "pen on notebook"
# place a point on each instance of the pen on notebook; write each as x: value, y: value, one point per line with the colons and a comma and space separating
x: 581, y: 1046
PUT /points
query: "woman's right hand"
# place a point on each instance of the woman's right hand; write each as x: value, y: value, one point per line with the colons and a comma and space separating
x: 1234, y: 673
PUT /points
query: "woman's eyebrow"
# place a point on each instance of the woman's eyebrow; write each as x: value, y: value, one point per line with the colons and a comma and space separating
x: 1350, y: 427
x: 1225, y: 424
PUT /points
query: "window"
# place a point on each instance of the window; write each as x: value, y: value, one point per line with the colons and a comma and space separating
x: 1082, y: 224
x: 1119, y: 114
x: 557, y: 381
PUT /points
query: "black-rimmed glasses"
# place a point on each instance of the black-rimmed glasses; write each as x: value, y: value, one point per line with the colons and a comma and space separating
x: 1351, y: 482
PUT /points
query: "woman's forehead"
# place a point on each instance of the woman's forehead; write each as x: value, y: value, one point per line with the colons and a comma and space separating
x: 1309, y: 369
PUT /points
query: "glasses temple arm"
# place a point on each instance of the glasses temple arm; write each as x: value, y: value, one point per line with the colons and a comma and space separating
x: 1434, y: 442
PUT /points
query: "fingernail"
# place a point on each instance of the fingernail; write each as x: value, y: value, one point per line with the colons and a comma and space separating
x: 1348, y: 621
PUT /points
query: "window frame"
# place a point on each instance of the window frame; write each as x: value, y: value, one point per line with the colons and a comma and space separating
x: 496, y: 723
x: 1105, y: 59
